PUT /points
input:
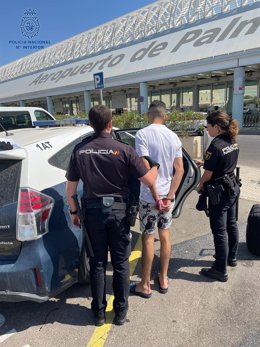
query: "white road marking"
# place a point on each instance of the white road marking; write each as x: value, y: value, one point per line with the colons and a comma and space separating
x: 2, y: 320
x: 7, y: 335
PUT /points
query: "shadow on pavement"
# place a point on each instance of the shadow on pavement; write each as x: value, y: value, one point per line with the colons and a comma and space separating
x: 190, y: 254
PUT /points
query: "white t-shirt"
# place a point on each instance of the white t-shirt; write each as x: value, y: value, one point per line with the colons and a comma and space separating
x: 163, y: 146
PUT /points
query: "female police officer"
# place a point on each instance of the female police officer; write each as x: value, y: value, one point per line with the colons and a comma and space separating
x: 104, y: 165
x: 223, y: 190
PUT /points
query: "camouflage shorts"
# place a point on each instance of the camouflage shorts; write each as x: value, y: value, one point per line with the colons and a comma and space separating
x: 149, y: 217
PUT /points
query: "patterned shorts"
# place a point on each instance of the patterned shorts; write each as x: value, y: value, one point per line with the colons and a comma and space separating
x: 149, y: 216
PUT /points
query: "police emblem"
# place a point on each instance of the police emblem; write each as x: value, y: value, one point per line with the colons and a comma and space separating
x: 207, y: 155
x: 30, y: 25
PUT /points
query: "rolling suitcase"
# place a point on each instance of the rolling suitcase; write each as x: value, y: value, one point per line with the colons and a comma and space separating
x: 253, y: 230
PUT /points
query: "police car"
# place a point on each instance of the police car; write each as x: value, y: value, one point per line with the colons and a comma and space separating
x: 22, y: 117
x: 41, y: 252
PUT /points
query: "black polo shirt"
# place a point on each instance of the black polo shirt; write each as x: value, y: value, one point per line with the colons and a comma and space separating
x: 104, y: 166
x: 221, y: 156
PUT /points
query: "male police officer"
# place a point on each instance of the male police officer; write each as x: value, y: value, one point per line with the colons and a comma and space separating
x: 104, y: 165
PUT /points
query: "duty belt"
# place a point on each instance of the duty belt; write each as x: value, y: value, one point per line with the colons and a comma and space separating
x: 227, y: 178
x: 115, y: 206
x: 107, y: 202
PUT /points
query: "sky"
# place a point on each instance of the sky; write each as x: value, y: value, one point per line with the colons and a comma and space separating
x: 53, y: 21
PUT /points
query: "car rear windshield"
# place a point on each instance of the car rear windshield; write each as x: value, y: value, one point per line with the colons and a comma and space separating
x: 61, y: 159
x: 15, y: 119
x: 10, y: 171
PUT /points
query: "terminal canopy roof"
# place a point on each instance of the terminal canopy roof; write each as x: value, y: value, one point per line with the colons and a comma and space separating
x: 166, y: 39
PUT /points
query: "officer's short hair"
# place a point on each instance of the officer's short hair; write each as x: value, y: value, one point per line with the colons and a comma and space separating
x: 99, y: 116
x: 157, y: 108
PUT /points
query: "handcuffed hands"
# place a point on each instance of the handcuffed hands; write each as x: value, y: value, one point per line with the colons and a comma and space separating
x: 163, y: 204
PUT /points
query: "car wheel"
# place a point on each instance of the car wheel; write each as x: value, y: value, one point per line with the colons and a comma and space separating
x: 84, y: 268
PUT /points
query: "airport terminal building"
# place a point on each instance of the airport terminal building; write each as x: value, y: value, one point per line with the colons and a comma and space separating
x: 192, y: 54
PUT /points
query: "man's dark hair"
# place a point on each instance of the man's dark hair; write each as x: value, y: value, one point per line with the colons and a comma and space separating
x: 157, y: 109
x: 157, y: 103
x: 99, y: 116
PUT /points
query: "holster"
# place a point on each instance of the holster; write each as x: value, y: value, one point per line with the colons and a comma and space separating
x: 215, y: 193
x: 238, y: 181
x: 81, y: 214
x: 202, y: 202
x: 231, y: 184
x: 132, y: 214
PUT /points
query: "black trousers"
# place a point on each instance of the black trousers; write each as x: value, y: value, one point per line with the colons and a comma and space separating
x: 224, y: 228
x: 109, y: 231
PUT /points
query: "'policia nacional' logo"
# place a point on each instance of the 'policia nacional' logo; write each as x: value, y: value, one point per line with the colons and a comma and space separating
x: 30, y: 25
x: 115, y: 153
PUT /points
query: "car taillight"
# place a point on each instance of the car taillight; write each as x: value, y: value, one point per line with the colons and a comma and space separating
x: 34, y: 210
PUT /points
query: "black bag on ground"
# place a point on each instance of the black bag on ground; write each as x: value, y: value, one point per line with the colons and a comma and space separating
x: 253, y: 230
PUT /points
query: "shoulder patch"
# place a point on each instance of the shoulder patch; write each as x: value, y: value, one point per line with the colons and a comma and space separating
x: 208, y: 155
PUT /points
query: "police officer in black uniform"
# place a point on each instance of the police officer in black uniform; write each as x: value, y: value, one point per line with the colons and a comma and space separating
x: 104, y: 165
x: 222, y: 188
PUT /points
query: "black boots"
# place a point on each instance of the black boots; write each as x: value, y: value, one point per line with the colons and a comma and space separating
x: 214, y: 274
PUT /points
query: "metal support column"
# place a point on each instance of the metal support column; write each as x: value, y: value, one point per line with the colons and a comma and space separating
x: 195, y: 98
x: 178, y: 99
x: 229, y: 99
x: 71, y: 113
x: 50, y: 105
x: 238, y: 94
x: 143, y: 99
x: 258, y: 88
x: 87, y: 100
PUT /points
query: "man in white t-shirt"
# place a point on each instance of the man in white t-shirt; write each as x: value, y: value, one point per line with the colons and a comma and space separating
x: 163, y: 146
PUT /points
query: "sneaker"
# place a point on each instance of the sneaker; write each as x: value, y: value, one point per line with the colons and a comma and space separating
x: 120, y: 318
x: 232, y: 262
x: 214, y: 274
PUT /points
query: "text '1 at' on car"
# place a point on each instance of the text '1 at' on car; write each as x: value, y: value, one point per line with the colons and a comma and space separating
x: 41, y: 252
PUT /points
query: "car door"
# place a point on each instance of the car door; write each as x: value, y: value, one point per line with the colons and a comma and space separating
x: 190, y: 178
x: 70, y: 253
